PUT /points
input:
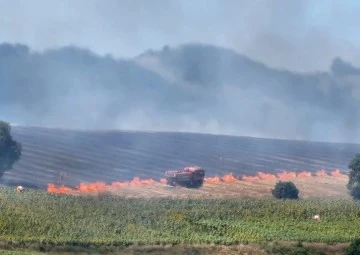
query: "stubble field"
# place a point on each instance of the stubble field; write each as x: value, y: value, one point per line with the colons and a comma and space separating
x: 309, y: 187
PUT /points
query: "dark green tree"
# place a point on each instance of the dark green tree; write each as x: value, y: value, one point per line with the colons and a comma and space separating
x: 10, y: 150
x: 354, y: 248
x: 355, y: 191
x: 354, y: 177
x: 285, y: 190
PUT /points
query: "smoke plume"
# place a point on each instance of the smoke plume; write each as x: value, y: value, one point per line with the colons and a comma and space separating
x: 193, y: 87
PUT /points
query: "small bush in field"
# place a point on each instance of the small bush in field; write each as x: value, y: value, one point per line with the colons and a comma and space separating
x: 285, y: 190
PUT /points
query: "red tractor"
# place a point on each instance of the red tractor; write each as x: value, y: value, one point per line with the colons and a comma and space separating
x: 190, y: 177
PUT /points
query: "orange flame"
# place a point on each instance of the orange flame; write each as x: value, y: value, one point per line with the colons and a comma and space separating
x: 286, y: 175
x: 250, y: 178
x: 304, y: 174
x: 229, y: 178
x: 265, y: 176
x: 336, y: 173
x: 163, y: 181
x: 118, y: 185
x: 58, y: 190
x: 138, y: 182
x: 98, y: 186
x: 212, y: 180
x: 321, y: 173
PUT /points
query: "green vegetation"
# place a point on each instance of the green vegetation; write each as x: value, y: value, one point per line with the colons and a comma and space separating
x: 37, y: 217
x: 354, y: 177
x: 292, y: 250
x: 285, y: 190
x: 19, y: 252
x: 10, y: 150
x: 355, y: 191
x: 354, y: 248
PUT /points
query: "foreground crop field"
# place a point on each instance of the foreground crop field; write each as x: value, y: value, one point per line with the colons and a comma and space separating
x: 35, y: 216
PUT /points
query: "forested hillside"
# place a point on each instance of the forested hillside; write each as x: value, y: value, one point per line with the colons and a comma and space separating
x: 193, y: 87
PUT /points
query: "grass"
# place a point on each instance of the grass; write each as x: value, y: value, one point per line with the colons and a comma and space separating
x: 37, y: 217
x: 18, y: 252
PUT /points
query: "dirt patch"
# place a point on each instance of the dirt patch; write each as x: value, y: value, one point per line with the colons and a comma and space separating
x: 167, y: 249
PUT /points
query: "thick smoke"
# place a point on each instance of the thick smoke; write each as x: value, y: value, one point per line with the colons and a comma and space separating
x: 195, y: 88
x: 297, y: 35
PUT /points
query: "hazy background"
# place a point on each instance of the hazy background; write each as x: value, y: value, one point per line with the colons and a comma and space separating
x: 285, y: 69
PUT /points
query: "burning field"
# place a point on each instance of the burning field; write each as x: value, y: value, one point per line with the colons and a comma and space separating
x: 87, y: 164
x: 104, y: 161
x: 108, y: 156
x: 318, y: 184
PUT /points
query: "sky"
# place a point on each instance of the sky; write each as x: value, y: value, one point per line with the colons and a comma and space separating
x: 299, y: 35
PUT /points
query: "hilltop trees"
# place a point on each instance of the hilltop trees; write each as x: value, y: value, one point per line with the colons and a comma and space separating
x: 285, y: 190
x: 354, y: 177
x: 10, y: 150
x: 168, y: 85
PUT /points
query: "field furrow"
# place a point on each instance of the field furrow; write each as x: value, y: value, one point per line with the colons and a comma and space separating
x: 90, y: 156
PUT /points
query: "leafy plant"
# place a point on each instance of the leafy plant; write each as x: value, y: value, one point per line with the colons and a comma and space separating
x: 35, y: 216
x: 355, y: 191
x: 285, y: 190
x: 10, y: 150
x: 354, y: 177
x: 354, y: 248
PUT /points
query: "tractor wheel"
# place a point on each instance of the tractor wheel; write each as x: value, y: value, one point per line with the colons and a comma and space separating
x: 192, y: 184
x: 198, y: 184
x: 170, y: 182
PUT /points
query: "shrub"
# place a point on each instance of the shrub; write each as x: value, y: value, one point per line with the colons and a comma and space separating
x: 291, y: 250
x: 10, y: 150
x: 354, y: 177
x: 354, y: 248
x: 285, y: 190
x: 355, y: 191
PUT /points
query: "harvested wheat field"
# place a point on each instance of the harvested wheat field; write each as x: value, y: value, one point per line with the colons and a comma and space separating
x: 109, y: 160
x: 322, y: 185
x: 312, y: 187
